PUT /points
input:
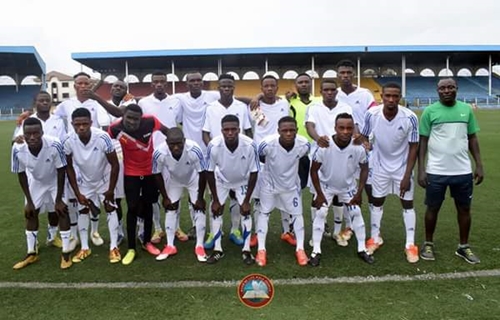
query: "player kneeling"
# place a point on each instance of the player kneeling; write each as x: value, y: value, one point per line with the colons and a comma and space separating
x: 280, y: 184
x: 184, y: 161
x: 332, y: 175
x: 40, y: 165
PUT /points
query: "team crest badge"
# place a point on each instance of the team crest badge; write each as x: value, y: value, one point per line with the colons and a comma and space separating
x: 256, y: 291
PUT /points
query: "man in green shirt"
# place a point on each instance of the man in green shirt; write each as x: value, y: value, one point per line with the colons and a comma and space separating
x: 447, y: 133
x: 299, y: 104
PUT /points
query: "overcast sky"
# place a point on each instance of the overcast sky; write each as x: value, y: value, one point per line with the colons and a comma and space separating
x: 58, y: 28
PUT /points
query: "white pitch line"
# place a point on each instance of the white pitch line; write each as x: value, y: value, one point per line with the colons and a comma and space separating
x: 234, y: 283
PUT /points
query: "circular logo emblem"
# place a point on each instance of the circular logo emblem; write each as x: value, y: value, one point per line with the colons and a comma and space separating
x: 256, y: 291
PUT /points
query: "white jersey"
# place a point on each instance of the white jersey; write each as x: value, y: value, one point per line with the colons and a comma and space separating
x: 53, y: 127
x: 273, y: 112
x: 166, y: 110
x: 232, y: 169
x: 192, y: 113
x: 183, y: 171
x: 216, y: 111
x: 40, y: 169
x: 324, y: 118
x: 390, y: 139
x: 66, y: 108
x: 360, y: 101
x: 90, y: 158
x: 104, y: 118
x: 279, y: 174
x: 339, y: 166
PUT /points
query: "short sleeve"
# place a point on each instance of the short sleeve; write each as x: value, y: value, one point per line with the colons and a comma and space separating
x: 425, y: 123
x: 367, y: 129
x: 17, y: 166
x: 197, y: 158
x: 246, y: 120
x: 255, y: 165
x: 413, y: 132
x: 211, y: 157
x: 206, y: 121
x: 59, y: 156
x: 68, y: 150
x: 107, y: 144
x: 318, y: 155
x: 472, y: 126
x: 262, y: 150
x: 157, y: 162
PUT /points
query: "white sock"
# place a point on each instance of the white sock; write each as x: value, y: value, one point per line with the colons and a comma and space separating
x: 358, y: 226
x: 94, y: 225
x: 313, y: 213
x: 170, y: 221
x: 112, y: 218
x: 285, y: 221
x: 376, y: 219
x: 338, y: 213
x: 156, y: 216
x: 140, y: 226
x: 256, y: 213
x: 178, y: 217
x: 83, y: 230
x: 51, y: 232
x: 246, y: 227
x: 31, y: 237
x: 217, y: 223
x: 298, y: 227
x: 120, y: 228
x: 409, y: 220
x: 262, y: 226
x: 234, y: 209
x: 319, y: 228
x: 65, y: 235
x: 73, y: 219
x: 200, y: 224
x: 347, y: 218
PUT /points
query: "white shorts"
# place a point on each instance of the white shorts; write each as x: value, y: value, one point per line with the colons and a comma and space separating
x: 385, y: 184
x: 223, y: 192
x: 43, y: 196
x: 289, y: 202
x: 174, y: 190
x: 343, y: 197
x: 94, y: 194
x: 120, y: 189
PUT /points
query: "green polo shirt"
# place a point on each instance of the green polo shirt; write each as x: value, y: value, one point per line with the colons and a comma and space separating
x: 447, y: 129
x: 299, y: 111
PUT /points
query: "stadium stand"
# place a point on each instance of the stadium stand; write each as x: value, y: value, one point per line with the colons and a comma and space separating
x: 17, y: 62
x: 22, y: 99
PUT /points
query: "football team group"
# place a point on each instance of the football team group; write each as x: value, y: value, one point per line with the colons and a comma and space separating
x: 257, y: 153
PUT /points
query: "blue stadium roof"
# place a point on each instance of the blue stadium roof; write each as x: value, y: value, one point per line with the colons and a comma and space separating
x: 21, y: 60
x: 280, y: 56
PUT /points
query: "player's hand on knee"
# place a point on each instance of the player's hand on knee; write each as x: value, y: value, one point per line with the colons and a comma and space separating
x: 216, y: 208
x: 166, y: 202
x: 61, y: 208
x: 29, y: 210
x: 357, y: 199
x: 245, y: 208
x: 199, y: 205
x: 319, y: 201
x: 82, y: 200
x: 109, y: 196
